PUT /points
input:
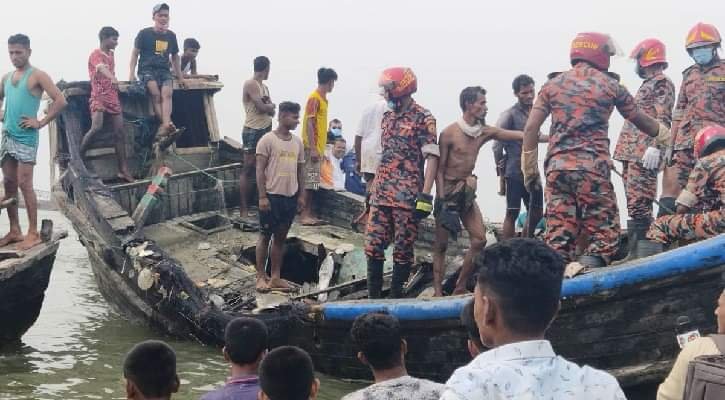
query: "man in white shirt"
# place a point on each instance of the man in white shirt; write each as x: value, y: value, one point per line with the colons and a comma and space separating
x: 331, y: 174
x: 382, y: 348
x: 516, y: 297
x: 368, y: 148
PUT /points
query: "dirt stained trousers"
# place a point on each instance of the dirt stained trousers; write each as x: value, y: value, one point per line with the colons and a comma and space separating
x: 671, y: 228
x: 388, y: 225
x: 640, y: 188
x: 580, y: 200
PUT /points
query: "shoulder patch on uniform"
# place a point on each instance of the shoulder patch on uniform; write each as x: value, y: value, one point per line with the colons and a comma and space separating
x: 715, y: 78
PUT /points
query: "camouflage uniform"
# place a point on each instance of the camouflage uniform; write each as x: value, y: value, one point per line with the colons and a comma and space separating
x: 398, y: 181
x: 707, y: 183
x: 701, y: 102
x: 655, y: 97
x: 577, y: 163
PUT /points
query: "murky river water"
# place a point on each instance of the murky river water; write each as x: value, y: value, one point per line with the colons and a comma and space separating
x: 75, y: 350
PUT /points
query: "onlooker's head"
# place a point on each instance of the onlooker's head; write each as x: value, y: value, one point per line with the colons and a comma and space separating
x: 108, y: 36
x: 523, y: 86
x: 191, y: 48
x: 150, y: 371
x: 339, y: 148
x: 289, y: 115
x: 245, y: 341
x: 326, y: 78
x: 720, y: 313
x: 517, y: 291
x: 335, y: 124
x: 377, y: 337
x: 287, y: 373
x: 160, y: 16
x: 261, y: 65
x: 475, y: 347
x: 473, y: 101
x: 19, y: 50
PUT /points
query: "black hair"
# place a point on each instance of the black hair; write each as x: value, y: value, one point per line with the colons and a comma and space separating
x: 469, y: 322
x: 325, y: 75
x: 289, y: 107
x: 191, y: 43
x: 525, y: 276
x: 20, y: 39
x: 261, y: 63
x: 151, y: 366
x: 469, y: 95
x: 521, y: 81
x: 340, y: 139
x: 160, y: 7
x: 107, y: 32
x: 377, y: 336
x: 245, y: 339
x: 286, y: 373
x: 335, y: 120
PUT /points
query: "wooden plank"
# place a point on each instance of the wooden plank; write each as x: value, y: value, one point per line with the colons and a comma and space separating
x: 142, y: 182
x: 192, y: 150
x: 100, y: 151
x: 211, y: 118
x: 108, y: 206
x: 122, y: 225
x: 183, y: 199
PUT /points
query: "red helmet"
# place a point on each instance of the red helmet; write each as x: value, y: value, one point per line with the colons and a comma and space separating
x: 649, y: 52
x: 398, y: 81
x: 593, y: 47
x: 707, y: 139
x: 702, y: 34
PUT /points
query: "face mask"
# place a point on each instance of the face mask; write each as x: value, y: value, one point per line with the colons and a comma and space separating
x: 702, y: 55
x: 336, y: 131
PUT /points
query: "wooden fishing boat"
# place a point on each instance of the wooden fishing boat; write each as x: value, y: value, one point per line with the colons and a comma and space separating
x: 180, y: 259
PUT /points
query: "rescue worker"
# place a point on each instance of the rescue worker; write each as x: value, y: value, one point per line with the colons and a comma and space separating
x: 640, y: 156
x: 706, y: 185
x: 700, y: 102
x: 579, y: 193
x: 400, y: 195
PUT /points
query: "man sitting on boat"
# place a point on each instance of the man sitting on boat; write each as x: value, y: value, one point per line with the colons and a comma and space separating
x: 516, y: 297
x: 381, y: 347
x: 706, y: 186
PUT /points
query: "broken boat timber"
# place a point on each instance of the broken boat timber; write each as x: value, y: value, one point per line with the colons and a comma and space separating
x: 185, y: 264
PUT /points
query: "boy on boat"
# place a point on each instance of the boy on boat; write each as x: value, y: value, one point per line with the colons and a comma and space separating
x: 104, y: 101
x: 400, y: 196
x: 156, y: 51
x: 706, y: 187
x: 640, y: 155
x: 22, y: 90
x: 579, y: 193
x: 280, y: 179
x: 700, y: 102
x: 188, y: 57
x: 459, y: 145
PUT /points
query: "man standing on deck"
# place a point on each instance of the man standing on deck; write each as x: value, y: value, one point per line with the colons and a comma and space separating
x: 104, y: 101
x: 280, y: 177
x: 22, y: 90
x: 700, y: 102
x: 639, y: 154
x: 579, y: 192
x: 153, y: 48
x: 258, y: 121
x: 459, y: 145
x: 314, y: 137
x: 400, y: 195
x: 515, y: 119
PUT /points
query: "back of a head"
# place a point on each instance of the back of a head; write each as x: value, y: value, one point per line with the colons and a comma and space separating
x: 469, y: 322
x: 261, y: 63
x: 287, y: 373
x: 245, y: 339
x: 326, y: 75
x: 151, y: 366
x: 377, y: 335
x: 525, y: 276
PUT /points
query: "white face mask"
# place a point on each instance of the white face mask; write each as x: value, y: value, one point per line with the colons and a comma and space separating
x: 472, y: 131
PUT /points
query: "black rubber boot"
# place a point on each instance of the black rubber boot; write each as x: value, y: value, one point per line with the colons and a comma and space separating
x: 401, y: 272
x: 636, y: 231
x: 646, y: 248
x: 592, y: 261
x: 375, y: 278
x: 667, y: 206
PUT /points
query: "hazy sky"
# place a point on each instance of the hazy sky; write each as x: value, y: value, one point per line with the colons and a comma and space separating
x: 449, y: 44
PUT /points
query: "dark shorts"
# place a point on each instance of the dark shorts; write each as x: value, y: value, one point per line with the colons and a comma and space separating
x: 281, y: 215
x: 250, y: 138
x: 162, y: 76
x: 516, y: 193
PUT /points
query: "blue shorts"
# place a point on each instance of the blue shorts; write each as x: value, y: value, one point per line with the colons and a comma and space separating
x: 162, y: 76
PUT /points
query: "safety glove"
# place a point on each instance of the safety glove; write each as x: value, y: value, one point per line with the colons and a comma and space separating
x: 651, y: 158
x: 423, y: 205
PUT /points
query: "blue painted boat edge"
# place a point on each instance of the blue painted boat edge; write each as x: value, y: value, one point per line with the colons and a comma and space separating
x: 698, y: 256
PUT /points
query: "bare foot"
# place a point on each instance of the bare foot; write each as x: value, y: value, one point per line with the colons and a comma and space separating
x: 438, y: 293
x: 262, y: 283
x: 459, y: 290
x: 125, y: 176
x: 279, y: 284
x: 11, y: 237
x: 31, y: 240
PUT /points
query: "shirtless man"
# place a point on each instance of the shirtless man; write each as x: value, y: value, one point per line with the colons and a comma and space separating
x: 22, y: 91
x: 459, y: 144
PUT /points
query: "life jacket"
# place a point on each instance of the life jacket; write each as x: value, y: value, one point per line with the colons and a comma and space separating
x: 706, y: 375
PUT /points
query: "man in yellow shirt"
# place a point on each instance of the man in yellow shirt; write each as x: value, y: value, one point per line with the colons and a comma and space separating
x: 314, y: 137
